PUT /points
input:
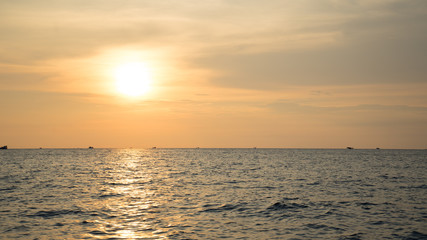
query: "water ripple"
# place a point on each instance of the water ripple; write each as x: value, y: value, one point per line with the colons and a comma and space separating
x: 213, y: 194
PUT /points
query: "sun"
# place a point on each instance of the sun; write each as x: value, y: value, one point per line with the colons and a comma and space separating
x: 132, y: 79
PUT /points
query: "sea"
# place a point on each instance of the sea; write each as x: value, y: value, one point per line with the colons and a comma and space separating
x: 213, y: 194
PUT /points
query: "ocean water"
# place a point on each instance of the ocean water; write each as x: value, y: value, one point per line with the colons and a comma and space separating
x: 213, y: 194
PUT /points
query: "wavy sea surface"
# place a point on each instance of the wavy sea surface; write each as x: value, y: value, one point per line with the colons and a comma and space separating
x: 213, y: 194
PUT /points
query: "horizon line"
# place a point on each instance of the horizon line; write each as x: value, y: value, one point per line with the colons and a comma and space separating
x: 155, y: 148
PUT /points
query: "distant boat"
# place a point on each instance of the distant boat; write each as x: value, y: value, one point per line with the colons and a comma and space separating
x: 350, y: 148
x: 378, y: 148
x: 4, y: 147
x: 90, y: 147
x: 153, y: 147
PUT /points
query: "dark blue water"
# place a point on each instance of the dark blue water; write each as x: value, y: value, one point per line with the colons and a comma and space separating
x: 213, y: 194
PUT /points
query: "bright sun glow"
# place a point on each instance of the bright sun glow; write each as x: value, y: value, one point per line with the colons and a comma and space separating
x: 132, y: 79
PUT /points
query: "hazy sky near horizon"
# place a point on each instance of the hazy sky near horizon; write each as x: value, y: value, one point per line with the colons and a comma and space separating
x: 241, y: 73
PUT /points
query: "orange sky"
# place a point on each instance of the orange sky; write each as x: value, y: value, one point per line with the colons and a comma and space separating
x: 309, y: 74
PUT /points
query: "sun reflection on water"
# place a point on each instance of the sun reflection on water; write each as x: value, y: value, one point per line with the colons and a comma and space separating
x: 130, y: 198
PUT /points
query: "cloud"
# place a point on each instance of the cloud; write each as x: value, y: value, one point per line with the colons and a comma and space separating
x: 34, y: 35
x: 245, y: 44
x: 372, y: 119
x: 289, y: 106
x: 379, y: 42
x: 45, y: 29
